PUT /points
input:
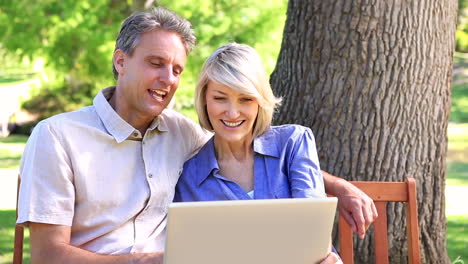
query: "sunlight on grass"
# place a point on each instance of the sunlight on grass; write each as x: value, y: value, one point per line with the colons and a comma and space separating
x: 7, y: 234
x: 457, y: 173
x: 457, y: 237
x: 458, y: 137
x: 11, y: 149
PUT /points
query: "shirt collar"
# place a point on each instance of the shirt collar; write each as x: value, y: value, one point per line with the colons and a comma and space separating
x: 207, y: 161
x: 160, y: 122
x: 265, y: 144
x: 115, y: 125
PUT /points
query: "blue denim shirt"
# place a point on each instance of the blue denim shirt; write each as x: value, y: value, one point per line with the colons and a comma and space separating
x: 285, y: 166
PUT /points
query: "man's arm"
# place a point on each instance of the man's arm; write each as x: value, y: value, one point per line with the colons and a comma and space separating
x: 51, y: 244
x: 357, y: 208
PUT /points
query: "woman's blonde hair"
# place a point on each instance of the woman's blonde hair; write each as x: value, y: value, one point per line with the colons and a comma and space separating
x: 240, y: 68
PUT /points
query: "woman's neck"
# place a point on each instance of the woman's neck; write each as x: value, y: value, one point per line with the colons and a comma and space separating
x: 239, y: 151
x: 236, y: 162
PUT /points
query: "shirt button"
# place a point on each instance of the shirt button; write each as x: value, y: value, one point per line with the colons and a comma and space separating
x: 135, y: 134
x: 150, y: 175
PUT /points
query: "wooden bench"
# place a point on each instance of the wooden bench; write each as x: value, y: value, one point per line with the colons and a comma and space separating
x: 381, y: 193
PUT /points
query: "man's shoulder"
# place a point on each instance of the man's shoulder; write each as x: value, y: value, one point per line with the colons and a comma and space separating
x: 173, y: 116
x: 176, y: 121
x: 85, y: 115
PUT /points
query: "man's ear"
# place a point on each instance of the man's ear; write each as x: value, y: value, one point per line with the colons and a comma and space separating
x: 119, y: 59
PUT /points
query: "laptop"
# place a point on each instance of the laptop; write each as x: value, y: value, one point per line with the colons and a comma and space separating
x: 276, y: 231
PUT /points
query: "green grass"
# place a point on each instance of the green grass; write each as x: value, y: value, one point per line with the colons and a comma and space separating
x: 11, y: 149
x: 7, y: 233
x: 459, y: 108
x: 458, y: 136
x: 457, y: 158
x: 457, y: 173
x: 457, y: 237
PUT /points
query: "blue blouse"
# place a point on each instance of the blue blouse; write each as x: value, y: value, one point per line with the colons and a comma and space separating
x: 285, y: 166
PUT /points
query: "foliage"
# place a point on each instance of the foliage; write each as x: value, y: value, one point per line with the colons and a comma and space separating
x: 76, y: 40
x: 462, y: 27
x: 217, y: 22
x: 461, y: 41
x: 62, y: 98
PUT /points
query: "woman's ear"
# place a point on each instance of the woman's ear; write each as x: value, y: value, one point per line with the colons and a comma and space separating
x: 119, y: 59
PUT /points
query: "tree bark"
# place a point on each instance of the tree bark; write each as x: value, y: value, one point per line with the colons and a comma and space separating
x: 372, y: 79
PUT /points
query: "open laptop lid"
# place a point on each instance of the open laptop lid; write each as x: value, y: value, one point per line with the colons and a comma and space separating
x: 282, y: 231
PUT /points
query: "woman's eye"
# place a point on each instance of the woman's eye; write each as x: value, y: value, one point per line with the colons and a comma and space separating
x: 246, y: 99
x: 218, y: 98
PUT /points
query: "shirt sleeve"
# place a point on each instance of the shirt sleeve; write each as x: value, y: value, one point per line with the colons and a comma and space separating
x: 305, y: 177
x: 199, y: 138
x: 47, y: 194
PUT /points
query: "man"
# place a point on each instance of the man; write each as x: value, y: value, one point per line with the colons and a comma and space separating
x: 96, y: 182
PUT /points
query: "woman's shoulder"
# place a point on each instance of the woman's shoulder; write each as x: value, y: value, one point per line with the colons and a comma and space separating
x: 202, y: 159
x: 289, y: 130
x: 282, y: 138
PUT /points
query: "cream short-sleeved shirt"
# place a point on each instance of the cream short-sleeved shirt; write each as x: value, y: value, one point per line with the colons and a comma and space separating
x: 91, y: 170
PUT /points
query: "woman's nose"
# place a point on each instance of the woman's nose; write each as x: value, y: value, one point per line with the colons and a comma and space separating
x: 233, y: 111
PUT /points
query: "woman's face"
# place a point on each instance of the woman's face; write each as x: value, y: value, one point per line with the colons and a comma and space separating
x: 231, y: 114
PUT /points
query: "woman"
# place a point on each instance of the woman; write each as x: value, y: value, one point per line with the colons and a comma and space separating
x: 247, y: 158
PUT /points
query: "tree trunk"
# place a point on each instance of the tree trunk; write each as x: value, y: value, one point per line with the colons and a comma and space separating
x: 372, y: 79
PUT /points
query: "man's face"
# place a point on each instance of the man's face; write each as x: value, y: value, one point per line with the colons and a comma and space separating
x: 148, y: 79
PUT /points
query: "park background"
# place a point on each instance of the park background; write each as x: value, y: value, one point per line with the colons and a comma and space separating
x: 56, y: 55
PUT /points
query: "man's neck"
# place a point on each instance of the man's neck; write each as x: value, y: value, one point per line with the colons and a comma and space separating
x: 139, y: 123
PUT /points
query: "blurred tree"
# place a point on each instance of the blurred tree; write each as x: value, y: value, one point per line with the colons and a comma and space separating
x: 462, y: 4
x: 140, y: 5
x: 372, y: 79
x: 76, y: 39
x: 217, y: 22
x: 462, y: 27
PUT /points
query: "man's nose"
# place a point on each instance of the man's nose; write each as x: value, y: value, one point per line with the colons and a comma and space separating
x: 167, y: 76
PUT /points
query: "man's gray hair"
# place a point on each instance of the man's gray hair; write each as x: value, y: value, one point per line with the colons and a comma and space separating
x: 157, y: 18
